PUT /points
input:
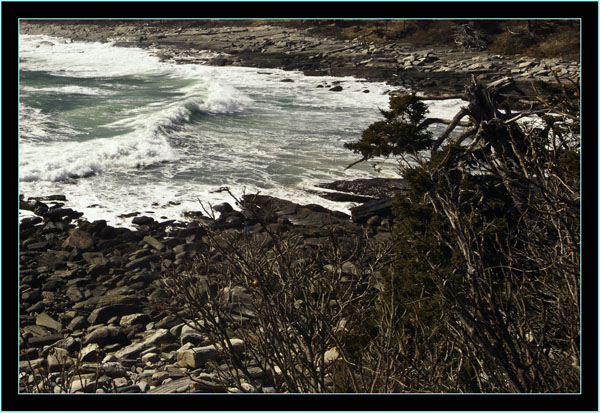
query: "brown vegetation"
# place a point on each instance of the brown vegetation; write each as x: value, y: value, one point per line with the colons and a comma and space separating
x: 542, y: 39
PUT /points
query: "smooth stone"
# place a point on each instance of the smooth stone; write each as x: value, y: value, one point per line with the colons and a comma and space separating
x: 105, y: 335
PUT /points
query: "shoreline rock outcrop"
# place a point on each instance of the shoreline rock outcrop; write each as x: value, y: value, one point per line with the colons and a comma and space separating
x: 434, y: 70
x: 92, y: 297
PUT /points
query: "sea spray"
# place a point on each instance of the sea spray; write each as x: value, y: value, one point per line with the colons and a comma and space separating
x: 116, y: 130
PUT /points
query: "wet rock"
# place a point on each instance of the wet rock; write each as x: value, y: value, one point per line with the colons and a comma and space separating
x: 143, y: 220
x: 337, y: 88
x: 96, y: 226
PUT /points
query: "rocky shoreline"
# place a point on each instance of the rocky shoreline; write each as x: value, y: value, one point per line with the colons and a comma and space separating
x: 93, y: 301
x: 432, y: 70
x: 92, y: 296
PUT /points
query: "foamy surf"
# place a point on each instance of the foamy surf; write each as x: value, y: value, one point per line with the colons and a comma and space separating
x: 118, y: 131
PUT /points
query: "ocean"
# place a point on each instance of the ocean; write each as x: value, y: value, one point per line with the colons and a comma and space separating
x: 117, y: 131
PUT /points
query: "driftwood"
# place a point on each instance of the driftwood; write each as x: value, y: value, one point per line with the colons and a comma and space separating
x: 484, y: 114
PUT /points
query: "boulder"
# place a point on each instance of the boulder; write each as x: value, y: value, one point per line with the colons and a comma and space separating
x: 153, y: 242
x: 42, y: 341
x: 104, y: 336
x: 143, y: 220
x: 133, y: 319
x: 196, y: 357
x: 94, y: 258
x: 380, y: 207
x: 191, y: 335
x: 74, y: 294
x: 59, y: 360
x: 111, y: 369
x: 79, y: 239
x: 142, y: 262
x: 45, y: 320
x: 90, y: 353
x: 103, y: 314
x: 96, y: 226
x: 152, y: 338
x: 373, y: 187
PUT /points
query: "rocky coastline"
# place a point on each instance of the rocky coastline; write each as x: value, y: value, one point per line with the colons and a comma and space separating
x: 92, y: 296
x: 433, y: 70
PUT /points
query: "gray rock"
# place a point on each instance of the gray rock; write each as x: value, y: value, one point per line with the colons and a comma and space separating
x: 152, y: 337
x: 59, y: 360
x: 172, y: 386
x: 94, y: 258
x: 105, y: 335
x: 143, y: 220
x: 70, y: 344
x: 198, y: 356
x: 36, y: 331
x: 79, y: 239
x: 111, y: 369
x: 103, y: 314
x: 142, y: 262
x: 153, y: 242
x: 131, y: 319
x: 83, y: 384
x: 74, y: 294
x: 380, y: 207
x: 150, y: 357
x: 45, y: 320
x: 190, y: 335
x: 42, y: 341
x: 90, y: 353
x: 77, y: 323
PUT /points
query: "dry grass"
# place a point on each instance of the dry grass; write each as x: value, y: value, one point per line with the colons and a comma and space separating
x: 550, y: 38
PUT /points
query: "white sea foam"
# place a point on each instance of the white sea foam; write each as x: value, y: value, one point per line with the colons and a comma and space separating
x: 82, y: 159
x: 84, y: 59
x: 35, y: 126
x: 281, y: 139
x: 73, y: 90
